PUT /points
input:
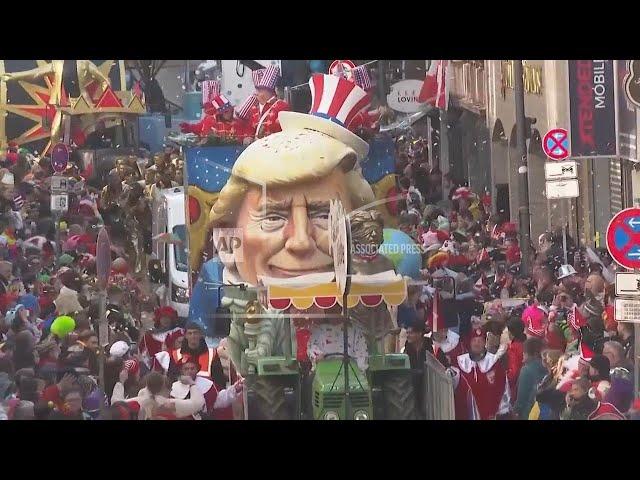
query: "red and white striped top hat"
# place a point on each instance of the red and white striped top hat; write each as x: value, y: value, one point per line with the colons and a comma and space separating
x: 210, y: 90
x: 266, y: 77
x: 218, y: 104
x: 335, y: 102
x: 243, y: 110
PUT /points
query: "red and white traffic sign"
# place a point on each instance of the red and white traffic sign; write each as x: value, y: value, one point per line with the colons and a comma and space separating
x: 556, y: 144
x: 342, y: 67
x: 59, y: 157
x: 623, y: 238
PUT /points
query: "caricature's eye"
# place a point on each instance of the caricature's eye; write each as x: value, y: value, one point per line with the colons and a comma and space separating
x: 321, y: 220
x: 272, y: 222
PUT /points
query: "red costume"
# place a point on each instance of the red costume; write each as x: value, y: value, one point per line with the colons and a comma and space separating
x: 606, y: 409
x: 214, y: 122
x: 485, y: 381
x: 515, y: 360
x: 158, y: 340
x: 264, y: 121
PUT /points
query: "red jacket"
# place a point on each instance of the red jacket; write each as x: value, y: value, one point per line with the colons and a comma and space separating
x: 606, y: 409
x: 214, y: 125
x: 266, y: 122
x: 515, y: 360
x: 487, y: 381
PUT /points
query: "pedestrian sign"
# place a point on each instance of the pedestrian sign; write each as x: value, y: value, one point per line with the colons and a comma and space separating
x: 623, y: 238
x: 556, y: 144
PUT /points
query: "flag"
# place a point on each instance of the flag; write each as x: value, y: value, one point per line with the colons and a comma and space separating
x: 435, y: 319
x: 362, y: 78
x: 210, y: 89
x: 575, y: 318
x: 435, y: 89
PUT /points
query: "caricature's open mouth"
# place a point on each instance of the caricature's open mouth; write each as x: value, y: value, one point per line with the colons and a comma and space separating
x: 288, y: 272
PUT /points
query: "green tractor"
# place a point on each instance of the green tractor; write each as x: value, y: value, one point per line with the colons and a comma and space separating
x: 278, y: 387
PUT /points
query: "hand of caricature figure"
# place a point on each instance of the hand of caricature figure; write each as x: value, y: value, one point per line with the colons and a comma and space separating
x: 5, y: 76
x: 124, y: 375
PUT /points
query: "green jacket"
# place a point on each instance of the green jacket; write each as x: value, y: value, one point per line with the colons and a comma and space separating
x: 530, y: 376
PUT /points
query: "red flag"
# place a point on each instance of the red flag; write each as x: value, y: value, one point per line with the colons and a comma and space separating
x: 435, y: 319
x: 586, y: 353
x: 575, y: 318
x: 434, y: 89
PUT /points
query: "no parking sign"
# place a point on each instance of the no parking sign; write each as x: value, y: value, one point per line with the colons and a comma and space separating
x: 556, y: 144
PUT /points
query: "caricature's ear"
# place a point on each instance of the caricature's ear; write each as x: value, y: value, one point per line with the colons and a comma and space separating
x: 348, y: 162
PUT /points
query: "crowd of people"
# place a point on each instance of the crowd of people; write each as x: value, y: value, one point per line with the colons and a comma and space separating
x: 524, y: 334
x: 521, y: 343
x: 50, y: 354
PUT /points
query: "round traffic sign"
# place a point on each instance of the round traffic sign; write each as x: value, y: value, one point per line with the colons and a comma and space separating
x: 59, y: 157
x: 342, y: 67
x: 623, y: 238
x: 556, y: 144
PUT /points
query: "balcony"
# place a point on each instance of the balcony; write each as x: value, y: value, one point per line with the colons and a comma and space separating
x: 468, y: 85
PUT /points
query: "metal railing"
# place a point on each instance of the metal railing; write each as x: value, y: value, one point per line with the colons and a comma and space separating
x: 438, y: 391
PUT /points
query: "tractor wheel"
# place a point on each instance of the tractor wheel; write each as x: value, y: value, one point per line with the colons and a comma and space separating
x: 267, y: 398
x: 398, y: 397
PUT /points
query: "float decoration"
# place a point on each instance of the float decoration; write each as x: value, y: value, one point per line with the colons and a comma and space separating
x: 321, y: 290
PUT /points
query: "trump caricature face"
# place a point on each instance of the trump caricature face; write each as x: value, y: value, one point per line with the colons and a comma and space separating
x: 285, y: 233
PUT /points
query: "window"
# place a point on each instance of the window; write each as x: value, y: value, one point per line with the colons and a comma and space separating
x: 179, y: 250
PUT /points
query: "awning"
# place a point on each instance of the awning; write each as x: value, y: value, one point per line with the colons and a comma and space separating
x: 370, y: 290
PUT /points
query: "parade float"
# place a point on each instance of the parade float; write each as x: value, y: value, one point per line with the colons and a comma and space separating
x: 45, y: 102
x: 262, y: 261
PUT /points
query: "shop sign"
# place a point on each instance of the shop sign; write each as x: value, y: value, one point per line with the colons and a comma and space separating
x: 531, y: 77
x: 592, y: 108
x: 404, y: 96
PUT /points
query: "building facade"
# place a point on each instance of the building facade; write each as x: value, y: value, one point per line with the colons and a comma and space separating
x: 606, y: 184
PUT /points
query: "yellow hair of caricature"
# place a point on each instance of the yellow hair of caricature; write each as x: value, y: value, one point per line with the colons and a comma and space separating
x: 286, y: 158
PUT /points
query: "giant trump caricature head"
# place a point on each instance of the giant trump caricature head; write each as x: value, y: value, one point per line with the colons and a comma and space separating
x: 279, y: 191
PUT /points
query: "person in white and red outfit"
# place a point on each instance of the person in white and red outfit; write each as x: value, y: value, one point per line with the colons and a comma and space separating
x: 218, y: 118
x: 164, y: 335
x: 479, y: 375
x: 261, y: 109
x: 215, y: 398
x: 447, y: 346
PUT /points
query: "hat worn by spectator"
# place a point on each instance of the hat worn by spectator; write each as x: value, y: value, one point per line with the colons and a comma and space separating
x: 65, y: 260
x: 533, y: 317
x: 119, y: 349
x: 193, y: 326
x: 132, y: 366
x: 12, y: 314
x: 165, y: 312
